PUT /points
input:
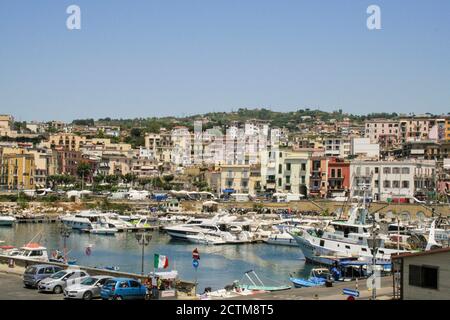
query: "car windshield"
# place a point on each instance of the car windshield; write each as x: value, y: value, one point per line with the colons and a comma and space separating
x: 31, y: 270
x: 58, y: 275
x: 89, y: 281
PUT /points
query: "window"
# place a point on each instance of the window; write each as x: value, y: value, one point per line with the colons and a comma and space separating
x: 386, y: 170
x: 288, y: 166
x: 395, y: 170
x: 386, y: 184
x: 333, y: 173
x: 280, y: 168
x: 135, y: 284
x: 339, y: 173
x: 405, y: 184
x: 303, y: 166
x: 423, y: 276
x: 377, y: 183
x: 405, y: 170
x: 279, y: 182
x: 395, y: 184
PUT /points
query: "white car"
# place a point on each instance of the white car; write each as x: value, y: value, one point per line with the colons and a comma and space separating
x: 87, y: 289
x: 62, y: 279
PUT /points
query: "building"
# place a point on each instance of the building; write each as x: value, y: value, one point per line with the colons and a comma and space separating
x: 416, y: 128
x: 318, y: 181
x: 382, y: 130
x: 447, y: 129
x: 17, y: 169
x: 388, y: 180
x: 284, y: 170
x: 338, y: 177
x: 363, y: 148
x: 423, y: 275
x: 66, y: 141
x: 337, y: 147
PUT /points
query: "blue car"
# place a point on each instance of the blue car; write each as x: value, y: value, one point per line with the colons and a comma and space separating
x: 35, y: 273
x: 123, y: 289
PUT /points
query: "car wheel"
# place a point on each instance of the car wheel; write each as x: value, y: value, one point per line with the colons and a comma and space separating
x: 57, y: 289
x: 117, y: 298
x: 87, y: 295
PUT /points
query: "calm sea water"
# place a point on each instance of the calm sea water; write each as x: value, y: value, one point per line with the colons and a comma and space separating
x: 219, y: 265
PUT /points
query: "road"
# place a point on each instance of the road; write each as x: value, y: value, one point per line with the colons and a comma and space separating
x: 12, y: 288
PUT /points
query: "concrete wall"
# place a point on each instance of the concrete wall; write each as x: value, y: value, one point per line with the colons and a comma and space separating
x: 441, y: 260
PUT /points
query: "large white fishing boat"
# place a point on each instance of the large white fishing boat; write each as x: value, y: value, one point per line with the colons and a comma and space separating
x: 343, y: 239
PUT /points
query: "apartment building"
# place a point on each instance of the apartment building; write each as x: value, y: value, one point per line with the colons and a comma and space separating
x: 17, y: 169
x: 285, y: 170
x: 392, y: 179
x: 337, y: 147
x: 66, y: 141
x: 338, y: 177
x: 382, y: 130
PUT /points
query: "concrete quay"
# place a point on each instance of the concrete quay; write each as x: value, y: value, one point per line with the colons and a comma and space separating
x: 324, y: 293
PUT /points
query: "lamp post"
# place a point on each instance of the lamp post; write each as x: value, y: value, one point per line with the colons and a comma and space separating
x: 143, y: 240
x: 65, y: 233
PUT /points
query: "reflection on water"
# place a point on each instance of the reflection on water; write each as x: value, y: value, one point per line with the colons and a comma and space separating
x: 219, y: 265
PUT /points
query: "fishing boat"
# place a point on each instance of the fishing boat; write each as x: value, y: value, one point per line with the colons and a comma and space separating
x: 32, y: 251
x: 7, y: 221
x: 343, y: 239
x: 258, y: 285
x: 317, y: 277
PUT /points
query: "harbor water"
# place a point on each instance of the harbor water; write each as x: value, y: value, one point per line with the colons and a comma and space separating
x: 219, y: 265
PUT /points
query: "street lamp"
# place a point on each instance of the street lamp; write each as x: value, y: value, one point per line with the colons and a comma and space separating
x: 143, y: 240
x: 65, y: 233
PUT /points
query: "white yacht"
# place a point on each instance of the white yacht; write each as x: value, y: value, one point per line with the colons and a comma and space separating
x: 82, y: 220
x: 115, y: 221
x: 7, y: 221
x: 210, y: 231
x: 103, y: 228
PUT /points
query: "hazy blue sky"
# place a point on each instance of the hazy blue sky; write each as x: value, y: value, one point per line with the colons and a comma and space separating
x: 177, y: 57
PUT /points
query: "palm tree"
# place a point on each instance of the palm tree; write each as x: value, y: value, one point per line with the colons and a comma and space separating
x: 83, y: 170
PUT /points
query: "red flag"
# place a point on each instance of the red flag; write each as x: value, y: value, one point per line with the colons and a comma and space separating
x: 195, y: 254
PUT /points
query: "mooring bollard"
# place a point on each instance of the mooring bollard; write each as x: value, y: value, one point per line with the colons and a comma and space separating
x: 11, y: 263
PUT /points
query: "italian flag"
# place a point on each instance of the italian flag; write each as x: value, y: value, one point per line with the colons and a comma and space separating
x: 160, y: 261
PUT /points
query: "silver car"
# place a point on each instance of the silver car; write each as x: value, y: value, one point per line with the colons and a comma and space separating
x: 61, y: 279
x: 87, y: 289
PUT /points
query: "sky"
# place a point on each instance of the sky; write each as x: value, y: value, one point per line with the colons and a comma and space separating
x: 182, y: 57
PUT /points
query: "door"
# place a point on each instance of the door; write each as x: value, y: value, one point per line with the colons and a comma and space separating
x: 135, y: 289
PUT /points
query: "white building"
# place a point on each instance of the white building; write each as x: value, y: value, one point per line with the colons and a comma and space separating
x: 362, y: 148
x: 392, y: 179
x: 337, y: 147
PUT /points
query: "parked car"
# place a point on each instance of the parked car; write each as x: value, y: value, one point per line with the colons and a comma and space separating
x: 61, y: 279
x: 123, y: 289
x: 35, y: 273
x: 87, y: 289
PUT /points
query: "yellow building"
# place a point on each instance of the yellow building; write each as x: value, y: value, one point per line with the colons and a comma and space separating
x: 67, y: 141
x: 447, y: 129
x: 17, y: 169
